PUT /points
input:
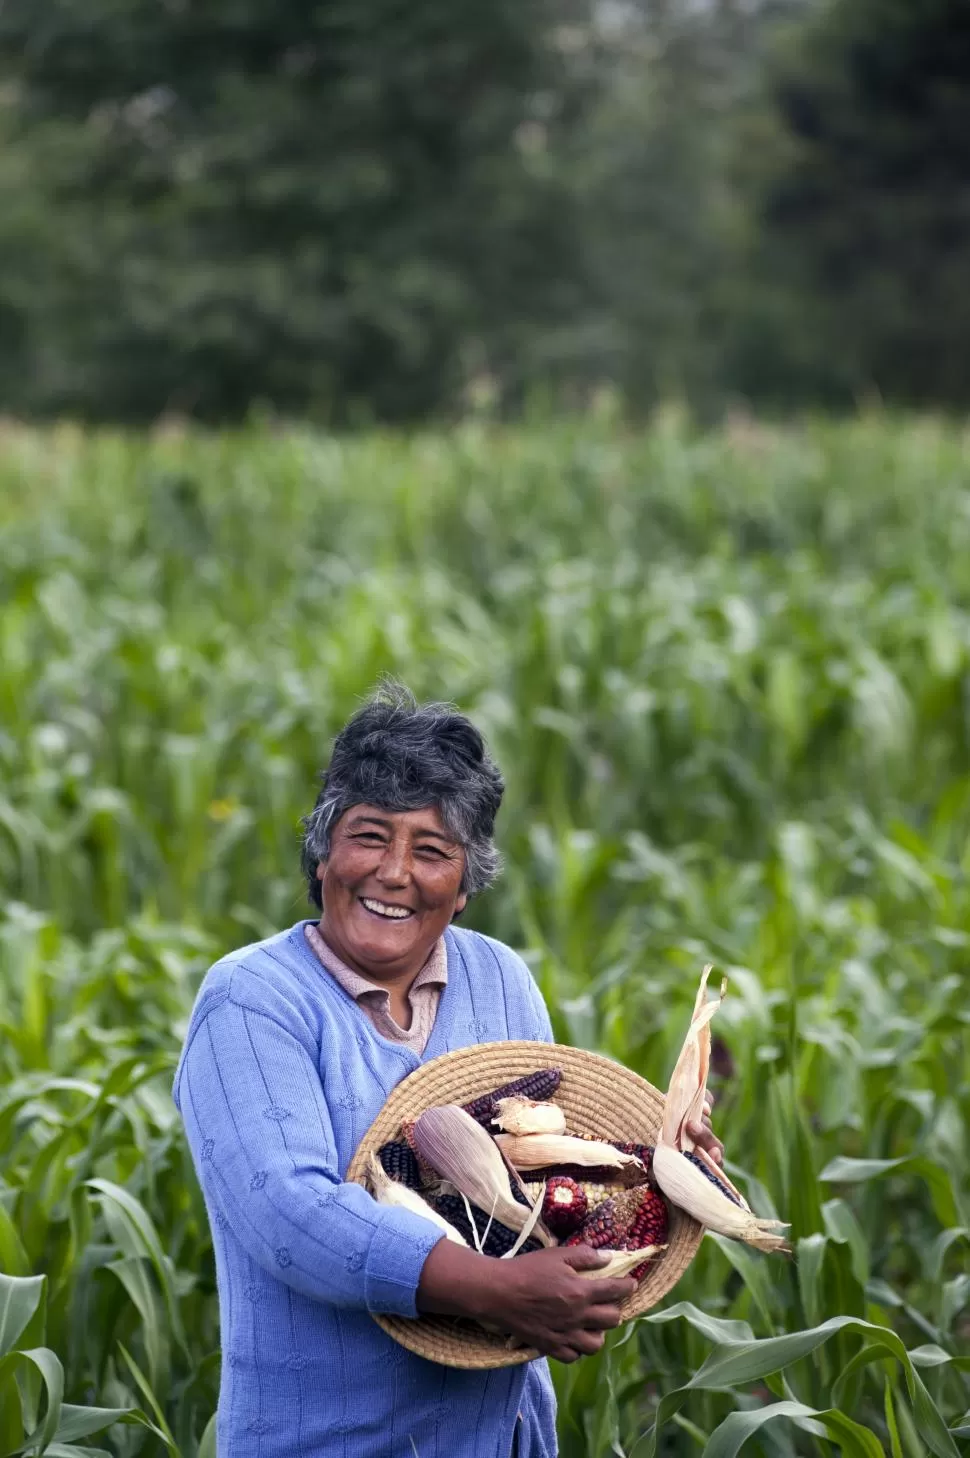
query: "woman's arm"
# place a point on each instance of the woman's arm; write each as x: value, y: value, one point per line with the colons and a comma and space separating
x: 537, y: 1298
x: 263, y: 1145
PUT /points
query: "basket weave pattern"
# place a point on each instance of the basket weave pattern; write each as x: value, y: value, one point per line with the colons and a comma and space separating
x: 599, y: 1097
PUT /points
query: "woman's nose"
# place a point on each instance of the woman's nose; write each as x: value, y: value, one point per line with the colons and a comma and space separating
x: 395, y: 865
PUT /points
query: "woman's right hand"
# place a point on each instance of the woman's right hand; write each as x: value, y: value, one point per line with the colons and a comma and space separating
x: 540, y: 1299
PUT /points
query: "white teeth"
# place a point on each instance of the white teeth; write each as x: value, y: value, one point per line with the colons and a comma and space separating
x: 396, y: 913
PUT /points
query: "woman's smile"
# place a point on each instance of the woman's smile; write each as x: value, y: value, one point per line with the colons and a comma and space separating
x: 386, y: 909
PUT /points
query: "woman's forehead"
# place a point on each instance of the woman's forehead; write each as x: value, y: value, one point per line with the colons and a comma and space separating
x: 426, y: 821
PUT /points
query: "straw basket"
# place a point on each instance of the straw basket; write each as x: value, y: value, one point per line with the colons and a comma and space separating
x: 599, y: 1097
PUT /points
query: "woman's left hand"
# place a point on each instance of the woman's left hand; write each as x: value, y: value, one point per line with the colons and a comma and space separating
x: 703, y: 1134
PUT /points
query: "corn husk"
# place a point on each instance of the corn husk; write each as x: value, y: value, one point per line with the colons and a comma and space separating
x: 390, y: 1192
x: 464, y: 1155
x: 525, y: 1116
x: 685, y: 1185
x: 621, y: 1262
x: 535, y: 1151
x: 714, y: 1201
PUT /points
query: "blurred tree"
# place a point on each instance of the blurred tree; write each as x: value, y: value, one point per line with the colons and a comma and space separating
x: 330, y: 207
x: 861, y: 268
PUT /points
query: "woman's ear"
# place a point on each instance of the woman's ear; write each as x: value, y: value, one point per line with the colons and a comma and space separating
x: 460, y: 904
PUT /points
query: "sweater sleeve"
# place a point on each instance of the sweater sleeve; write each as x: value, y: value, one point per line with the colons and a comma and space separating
x: 262, y: 1141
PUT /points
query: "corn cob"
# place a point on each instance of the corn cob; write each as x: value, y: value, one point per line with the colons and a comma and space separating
x: 696, y: 1160
x: 596, y: 1192
x: 642, y: 1152
x: 540, y: 1085
x: 650, y: 1223
x: 606, y: 1227
x: 463, y: 1154
x: 401, y: 1163
x: 649, y: 1228
x: 582, y: 1174
x: 429, y: 1176
x: 500, y: 1238
x: 709, y: 1195
x: 565, y: 1206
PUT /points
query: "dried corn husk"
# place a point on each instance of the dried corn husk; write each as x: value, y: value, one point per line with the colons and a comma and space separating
x: 622, y: 1262
x: 713, y: 1201
x: 389, y: 1192
x: 525, y: 1116
x: 536, y: 1151
x: 685, y: 1185
x: 462, y: 1153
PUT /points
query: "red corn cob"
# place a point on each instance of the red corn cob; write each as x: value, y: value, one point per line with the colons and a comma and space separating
x: 565, y: 1206
x: 606, y: 1227
x: 538, y: 1086
x: 649, y: 1227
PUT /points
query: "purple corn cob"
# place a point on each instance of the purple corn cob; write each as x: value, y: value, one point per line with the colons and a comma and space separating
x: 537, y: 1086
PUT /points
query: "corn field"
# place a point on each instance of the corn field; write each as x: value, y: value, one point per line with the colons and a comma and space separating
x: 727, y: 677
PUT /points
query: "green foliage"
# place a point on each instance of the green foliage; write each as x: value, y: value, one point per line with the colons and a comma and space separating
x: 863, y: 214
x: 360, y: 209
x: 726, y: 677
x: 323, y: 206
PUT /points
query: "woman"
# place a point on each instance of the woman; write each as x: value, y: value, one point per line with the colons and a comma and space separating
x: 293, y: 1047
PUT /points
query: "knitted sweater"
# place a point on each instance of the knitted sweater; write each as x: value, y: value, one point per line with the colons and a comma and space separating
x: 280, y: 1076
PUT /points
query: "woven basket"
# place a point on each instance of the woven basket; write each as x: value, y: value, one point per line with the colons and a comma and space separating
x: 599, y: 1097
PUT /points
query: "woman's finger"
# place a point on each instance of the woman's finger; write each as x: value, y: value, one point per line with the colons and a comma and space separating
x: 602, y: 1318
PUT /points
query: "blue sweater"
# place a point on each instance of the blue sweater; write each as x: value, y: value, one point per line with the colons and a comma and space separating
x: 280, y: 1076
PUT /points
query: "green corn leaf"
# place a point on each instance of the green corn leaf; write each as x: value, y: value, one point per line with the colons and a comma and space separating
x: 207, y: 1443
x: 896, y: 1450
x: 160, y: 1427
x: 844, y: 1171
x: 855, y: 1441
x: 52, y: 1373
x: 84, y: 1422
x: 142, y: 1240
x: 20, y: 1298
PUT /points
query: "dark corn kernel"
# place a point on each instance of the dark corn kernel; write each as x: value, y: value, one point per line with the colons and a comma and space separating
x: 537, y: 1086
x: 696, y: 1160
x: 399, y: 1161
x: 500, y: 1239
x: 590, y: 1174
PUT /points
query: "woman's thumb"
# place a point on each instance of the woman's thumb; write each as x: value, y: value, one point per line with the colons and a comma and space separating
x: 585, y: 1258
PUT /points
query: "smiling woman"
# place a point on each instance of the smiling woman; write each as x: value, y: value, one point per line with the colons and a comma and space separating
x: 293, y: 1047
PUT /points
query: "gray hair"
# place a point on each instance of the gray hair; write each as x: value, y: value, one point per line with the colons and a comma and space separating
x: 401, y: 755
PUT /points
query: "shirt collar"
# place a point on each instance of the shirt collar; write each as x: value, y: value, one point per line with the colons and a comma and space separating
x: 434, y: 971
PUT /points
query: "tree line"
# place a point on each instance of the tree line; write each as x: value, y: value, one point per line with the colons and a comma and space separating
x: 366, y: 209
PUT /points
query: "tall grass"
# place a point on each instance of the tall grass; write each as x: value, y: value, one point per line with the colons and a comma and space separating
x: 728, y: 679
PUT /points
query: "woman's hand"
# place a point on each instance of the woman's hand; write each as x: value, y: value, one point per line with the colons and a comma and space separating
x: 703, y: 1133
x: 539, y: 1299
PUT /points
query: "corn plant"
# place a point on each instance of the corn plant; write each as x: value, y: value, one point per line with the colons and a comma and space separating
x: 727, y: 676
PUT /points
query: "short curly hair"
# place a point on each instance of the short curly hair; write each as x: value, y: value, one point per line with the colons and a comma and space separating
x: 401, y: 755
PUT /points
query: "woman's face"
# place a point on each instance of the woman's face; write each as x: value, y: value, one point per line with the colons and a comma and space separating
x: 390, y: 887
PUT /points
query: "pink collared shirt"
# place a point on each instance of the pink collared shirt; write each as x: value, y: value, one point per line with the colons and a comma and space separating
x: 375, y: 1002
